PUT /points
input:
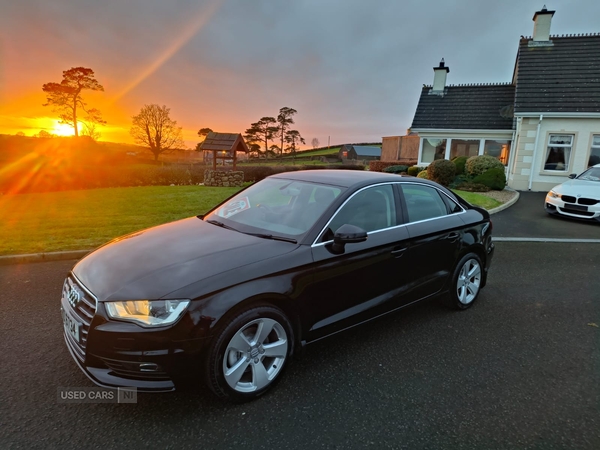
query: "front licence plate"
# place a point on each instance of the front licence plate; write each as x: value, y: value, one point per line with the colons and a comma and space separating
x: 71, y: 325
x: 575, y: 207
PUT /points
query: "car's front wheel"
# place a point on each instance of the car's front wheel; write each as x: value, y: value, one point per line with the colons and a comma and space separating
x: 248, y: 355
x: 466, y: 281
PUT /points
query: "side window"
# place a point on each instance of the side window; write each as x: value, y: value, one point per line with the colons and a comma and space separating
x: 451, y: 205
x: 370, y: 209
x: 423, y: 202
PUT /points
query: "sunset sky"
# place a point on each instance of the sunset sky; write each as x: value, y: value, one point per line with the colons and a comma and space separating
x: 353, y: 69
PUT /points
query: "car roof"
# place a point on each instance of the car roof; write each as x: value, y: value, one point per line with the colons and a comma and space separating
x: 346, y: 178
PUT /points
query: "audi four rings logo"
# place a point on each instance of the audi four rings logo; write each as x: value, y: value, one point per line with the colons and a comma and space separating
x: 73, y: 296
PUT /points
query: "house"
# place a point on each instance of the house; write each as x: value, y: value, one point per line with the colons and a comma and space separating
x: 359, y: 152
x: 542, y: 125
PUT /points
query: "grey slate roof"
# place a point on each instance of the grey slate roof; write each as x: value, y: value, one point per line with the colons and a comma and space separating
x: 564, y: 77
x: 363, y: 150
x: 470, y: 107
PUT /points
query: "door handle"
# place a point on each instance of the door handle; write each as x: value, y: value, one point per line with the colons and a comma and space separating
x: 452, y: 237
x: 398, y: 251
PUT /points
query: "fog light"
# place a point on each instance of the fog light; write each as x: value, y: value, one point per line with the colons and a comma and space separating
x: 148, y: 367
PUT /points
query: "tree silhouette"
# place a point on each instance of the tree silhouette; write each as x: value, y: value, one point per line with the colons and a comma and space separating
x: 261, y: 132
x: 315, y: 142
x: 284, y: 120
x: 65, y: 97
x: 153, y: 128
x: 291, y: 138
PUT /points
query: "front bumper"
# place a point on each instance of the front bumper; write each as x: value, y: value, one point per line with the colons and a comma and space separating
x: 120, y: 354
x: 557, y: 206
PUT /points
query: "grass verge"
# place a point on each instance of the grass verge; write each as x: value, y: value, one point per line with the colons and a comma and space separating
x: 478, y: 199
x: 79, y: 220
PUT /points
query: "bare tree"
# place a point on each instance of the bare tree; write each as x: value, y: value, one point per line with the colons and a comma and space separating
x: 65, y: 97
x: 315, y: 142
x: 153, y: 128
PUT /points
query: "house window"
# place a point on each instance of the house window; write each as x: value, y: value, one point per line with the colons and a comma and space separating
x: 433, y: 149
x: 462, y: 147
x: 558, y: 153
x: 498, y: 149
x: 595, y: 151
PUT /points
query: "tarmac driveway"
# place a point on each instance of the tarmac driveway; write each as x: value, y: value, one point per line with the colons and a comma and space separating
x: 528, y: 219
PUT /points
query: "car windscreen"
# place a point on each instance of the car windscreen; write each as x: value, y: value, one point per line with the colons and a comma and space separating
x: 592, y: 174
x: 276, y: 206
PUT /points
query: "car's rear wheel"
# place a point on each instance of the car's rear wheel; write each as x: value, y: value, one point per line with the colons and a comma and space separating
x: 249, y: 354
x: 467, y: 281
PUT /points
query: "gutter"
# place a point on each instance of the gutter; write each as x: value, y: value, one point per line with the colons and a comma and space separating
x: 535, y: 150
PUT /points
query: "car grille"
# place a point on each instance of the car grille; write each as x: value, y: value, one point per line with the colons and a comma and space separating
x: 84, y: 311
x: 578, y: 213
x: 581, y: 201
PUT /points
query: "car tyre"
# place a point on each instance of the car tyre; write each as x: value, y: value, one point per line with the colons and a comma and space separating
x: 467, y: 281
x: 249, y: 353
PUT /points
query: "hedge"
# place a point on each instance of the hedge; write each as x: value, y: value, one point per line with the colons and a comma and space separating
x: 378, y: 166
x: 460, y: 162
x: 493, y: 178
x: 396, y: 169
x: 17, y: 179
x: 476, y: 165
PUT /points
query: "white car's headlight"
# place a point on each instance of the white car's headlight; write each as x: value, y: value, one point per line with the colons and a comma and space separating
x: 553, y: 194
x: 148, y: 313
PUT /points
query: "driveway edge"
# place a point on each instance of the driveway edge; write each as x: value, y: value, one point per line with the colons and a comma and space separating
x: 508, y: 204
x: 41, y: 257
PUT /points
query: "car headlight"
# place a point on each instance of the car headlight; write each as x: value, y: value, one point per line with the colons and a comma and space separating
x: 148, y: 313
x: 553, y: 194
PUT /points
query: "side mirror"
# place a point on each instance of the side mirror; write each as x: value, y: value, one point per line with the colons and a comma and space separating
x: 573, y: 175
x: 347, y: 234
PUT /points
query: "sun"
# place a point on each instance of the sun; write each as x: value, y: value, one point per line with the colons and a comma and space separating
x: 62, y: 129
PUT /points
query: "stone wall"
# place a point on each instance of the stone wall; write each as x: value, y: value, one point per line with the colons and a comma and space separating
x: 223, y: 178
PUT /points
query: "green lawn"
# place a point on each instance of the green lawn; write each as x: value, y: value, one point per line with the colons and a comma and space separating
x: 78, y: 220
x: 478, y: 199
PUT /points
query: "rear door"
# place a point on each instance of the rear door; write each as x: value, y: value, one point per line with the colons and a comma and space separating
x: 435, y: 235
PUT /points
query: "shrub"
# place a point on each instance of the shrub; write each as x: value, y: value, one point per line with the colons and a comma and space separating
x: 257, y: 173
x: 414, y: 170
x: 395, y: 169
x: 441, y: 171
x: 422, y: 174
x: 469, y: 186
x: 494, y: 179
x: 460, y: 162
x: 378, y: 166
x: 476, y: 165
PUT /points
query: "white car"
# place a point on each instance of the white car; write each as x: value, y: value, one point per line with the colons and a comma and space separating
x: 579, y: 197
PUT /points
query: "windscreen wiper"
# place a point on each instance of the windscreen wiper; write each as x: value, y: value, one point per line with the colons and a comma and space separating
x: 260, y: 235
x: 220, y: 224
x: 272, y: 236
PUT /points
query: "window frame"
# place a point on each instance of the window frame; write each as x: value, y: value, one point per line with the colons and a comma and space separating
x: 568, y: 163
x: 591, y: 148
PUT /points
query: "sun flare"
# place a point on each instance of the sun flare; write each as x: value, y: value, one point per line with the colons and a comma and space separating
x: 62, y: 129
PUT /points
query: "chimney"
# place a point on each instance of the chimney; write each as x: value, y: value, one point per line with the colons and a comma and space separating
x: 541, y: 29
x: 439, y: 78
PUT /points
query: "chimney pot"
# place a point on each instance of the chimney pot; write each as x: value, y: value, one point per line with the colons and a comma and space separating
x: 439, y: 77
x: 541, y: 29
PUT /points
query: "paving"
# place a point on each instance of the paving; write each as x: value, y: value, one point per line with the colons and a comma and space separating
x: 528, y: 219
x: 520, y: 369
